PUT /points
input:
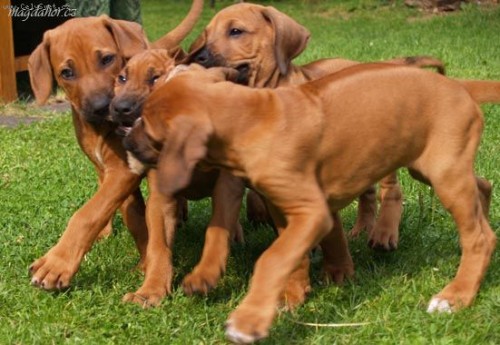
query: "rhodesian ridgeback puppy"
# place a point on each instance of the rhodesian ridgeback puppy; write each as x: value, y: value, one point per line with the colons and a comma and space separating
x: 136, y: 81
x: 321, y: 164
x: 238, y: 37
x: 85, y: 55
x: 261, y: 42
x: 142, y: 73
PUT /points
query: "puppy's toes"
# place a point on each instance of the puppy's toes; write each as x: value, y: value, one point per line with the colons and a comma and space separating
x: 201, y: 281
x: 201, y: 287
x: 439, y: 305
x: 338, y: 274
x: 142, y: 300
x: 237, y: 337
x: 355, y: 231
x: 380, y: 242
x: 294, y: 295
x: 381, y: 247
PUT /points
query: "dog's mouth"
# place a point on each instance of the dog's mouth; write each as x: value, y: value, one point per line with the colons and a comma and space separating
x: 124, y: 115
x: 208, y: 59
x: 243, y: 73
x: 123, y: 130
x: 125, y: 124
x: 95, y: 108
x: 97, y: 116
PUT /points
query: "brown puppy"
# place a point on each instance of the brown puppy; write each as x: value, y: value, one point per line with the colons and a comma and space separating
x: 85, y: 55
x: 136, y: 81
x: 142, y: 73
x: 321, y: 163
x: 261, y: 42
x: 239, y: 37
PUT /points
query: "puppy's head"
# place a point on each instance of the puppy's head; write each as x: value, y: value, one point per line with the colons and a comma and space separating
x: 256, y: 40
x: 85, y: 55
x: 175, y: 128
x: 135, y: 82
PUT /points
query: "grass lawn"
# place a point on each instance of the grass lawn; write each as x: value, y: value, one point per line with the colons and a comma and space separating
x: 44, y: 178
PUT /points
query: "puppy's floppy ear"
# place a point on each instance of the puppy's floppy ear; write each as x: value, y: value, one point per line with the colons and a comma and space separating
x: 178, y: 54
x: 129, y: 36
x: 177, y: 70
x: 186, y: 145
x: 40, y: 70
x: 290, y: 38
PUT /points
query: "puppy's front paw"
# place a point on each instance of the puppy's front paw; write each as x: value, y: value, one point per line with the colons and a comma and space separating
x: 338, y: 273
x: 53, y: 271
x: 384, y: 240
x: 295, y: 293
x: 145, y: 299
x: 247, y: 325
x: 201, y: 281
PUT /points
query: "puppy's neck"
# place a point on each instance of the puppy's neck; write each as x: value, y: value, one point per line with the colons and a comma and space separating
x: 91, y: 138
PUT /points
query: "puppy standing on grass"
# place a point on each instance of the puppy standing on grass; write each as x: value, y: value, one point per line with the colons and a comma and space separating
x: 431, y: 125
x: 85, y: 55
x: 261, y: 43
x: 142, y: 73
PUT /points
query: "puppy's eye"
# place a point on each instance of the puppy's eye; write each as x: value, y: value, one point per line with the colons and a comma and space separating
x: 107, y: 59
x: 67, y: 74
x: 235, y: 32
x: 153, y: 80
x: 122, y: 79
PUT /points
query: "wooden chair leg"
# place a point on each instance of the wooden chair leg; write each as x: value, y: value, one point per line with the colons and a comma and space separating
x: 8, y: 87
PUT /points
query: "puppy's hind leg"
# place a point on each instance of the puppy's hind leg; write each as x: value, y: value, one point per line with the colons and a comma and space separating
x: 477, y: 241
x: 464, y: 196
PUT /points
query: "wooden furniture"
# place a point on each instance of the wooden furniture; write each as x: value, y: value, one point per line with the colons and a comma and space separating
x: 19, y: 36
x: 9, y: 63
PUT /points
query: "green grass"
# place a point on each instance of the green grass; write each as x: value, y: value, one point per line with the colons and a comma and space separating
x: 44, y: 178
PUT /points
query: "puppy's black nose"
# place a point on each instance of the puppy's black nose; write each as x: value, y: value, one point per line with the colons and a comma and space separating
x: 100, y: 105
x: 122, y: 107
x: 204, y: 57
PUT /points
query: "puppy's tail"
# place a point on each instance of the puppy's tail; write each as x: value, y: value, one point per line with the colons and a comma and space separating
x: 483, y: 91
x: 421, y: 62
x: 174, y: 38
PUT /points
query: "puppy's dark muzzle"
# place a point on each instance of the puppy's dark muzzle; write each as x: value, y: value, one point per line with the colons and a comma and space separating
x: 96, y: 108
x: 207, y: 59
x: 124, y: 111
x: 134, y: 148
x: 204, y: 57
x: 140, y: 146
